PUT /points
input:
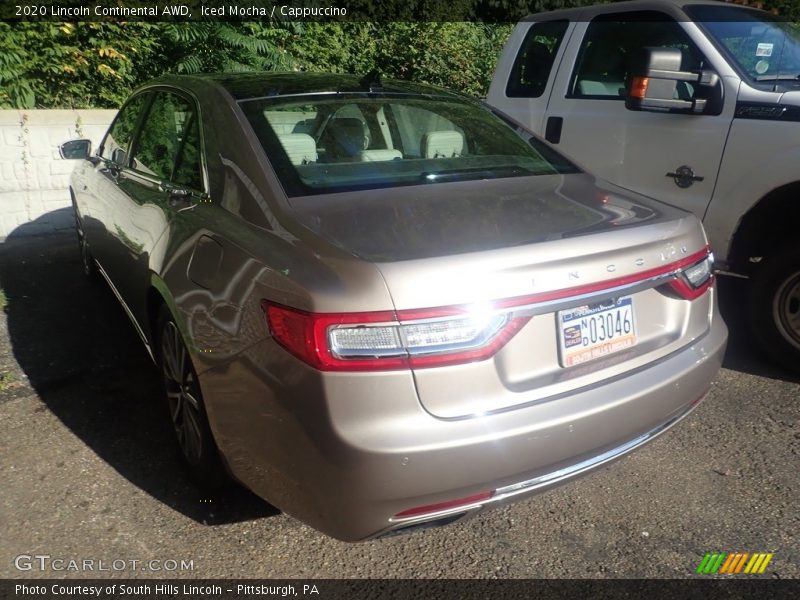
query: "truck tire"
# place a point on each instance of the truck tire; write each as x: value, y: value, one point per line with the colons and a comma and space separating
x: 774, y: 307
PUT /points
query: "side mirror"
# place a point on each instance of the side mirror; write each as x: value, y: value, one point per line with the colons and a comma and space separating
x: 657, y: 84
x: 119, y: 157
x: 75, y: 149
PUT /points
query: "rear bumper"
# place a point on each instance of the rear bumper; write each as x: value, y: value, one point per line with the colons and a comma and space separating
x: 516, y: 491
x: 346, y: 453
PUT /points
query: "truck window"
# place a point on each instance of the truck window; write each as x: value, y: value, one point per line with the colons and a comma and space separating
x: 763, y: 47
x: 534, y: 62
x: 612, y: 40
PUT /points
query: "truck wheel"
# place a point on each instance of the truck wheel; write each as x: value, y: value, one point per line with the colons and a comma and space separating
x: 186, y: 407
x: 774, y: 307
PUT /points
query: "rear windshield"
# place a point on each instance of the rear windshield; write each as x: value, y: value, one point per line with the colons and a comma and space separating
x: 344, y: 142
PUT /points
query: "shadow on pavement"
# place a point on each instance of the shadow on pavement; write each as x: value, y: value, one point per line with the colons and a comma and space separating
x: 82, y: 357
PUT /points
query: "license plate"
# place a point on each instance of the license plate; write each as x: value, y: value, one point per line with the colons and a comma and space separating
x: 595, y: 330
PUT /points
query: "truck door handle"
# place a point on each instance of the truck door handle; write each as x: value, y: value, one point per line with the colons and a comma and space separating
x: 552, y: 131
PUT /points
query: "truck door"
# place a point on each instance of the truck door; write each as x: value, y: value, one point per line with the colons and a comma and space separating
x: 671, y: 157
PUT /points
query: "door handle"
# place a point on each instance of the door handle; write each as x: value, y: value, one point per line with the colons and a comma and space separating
x: 180, y: 199
x: 552, y: 131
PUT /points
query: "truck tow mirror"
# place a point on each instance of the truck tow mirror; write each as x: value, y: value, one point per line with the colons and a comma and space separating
x: 656, y: 83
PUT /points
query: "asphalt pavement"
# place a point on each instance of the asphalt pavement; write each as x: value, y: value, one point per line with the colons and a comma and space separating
x: 90, y: 471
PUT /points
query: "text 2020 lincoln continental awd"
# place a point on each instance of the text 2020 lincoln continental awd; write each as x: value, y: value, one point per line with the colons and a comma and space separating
x: 384, y: 306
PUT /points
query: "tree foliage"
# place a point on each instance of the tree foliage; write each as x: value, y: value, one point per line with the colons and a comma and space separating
x: 96, y: 64
x: 47, y: 64
x: 459, y: 55
x: 218, y: 46
x: 76, y: 65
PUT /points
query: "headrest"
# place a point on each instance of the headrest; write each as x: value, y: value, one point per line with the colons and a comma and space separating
x: 300, y: 147
x: 348, y: 135
x: 442, y: 144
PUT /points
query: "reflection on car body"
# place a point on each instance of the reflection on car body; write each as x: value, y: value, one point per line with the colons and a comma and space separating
x: 381, y: 305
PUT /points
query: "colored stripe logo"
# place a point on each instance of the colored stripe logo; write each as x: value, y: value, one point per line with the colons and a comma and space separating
x: 734, y: 563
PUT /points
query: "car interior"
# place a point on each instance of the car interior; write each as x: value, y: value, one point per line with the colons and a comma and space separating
x: 340, y: 139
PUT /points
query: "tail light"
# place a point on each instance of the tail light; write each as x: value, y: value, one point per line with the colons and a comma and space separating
x: 405, y: 339
x: 391, y: 340
x: 694, y: 280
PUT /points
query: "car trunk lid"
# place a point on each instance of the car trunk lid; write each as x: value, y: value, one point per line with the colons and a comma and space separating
x: 551, y: 252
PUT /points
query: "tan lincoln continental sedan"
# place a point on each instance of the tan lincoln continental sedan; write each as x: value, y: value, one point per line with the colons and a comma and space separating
x: 385, y: 306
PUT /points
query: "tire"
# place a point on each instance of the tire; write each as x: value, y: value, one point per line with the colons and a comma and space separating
x: 774, y: 307
x: 88, y: 265
x: 186, y: 408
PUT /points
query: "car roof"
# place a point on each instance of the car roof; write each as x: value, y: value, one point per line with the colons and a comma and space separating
x: 672, y: 7
x: 244, y: 86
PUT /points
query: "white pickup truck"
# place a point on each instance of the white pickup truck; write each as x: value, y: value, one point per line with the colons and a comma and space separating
x: 693, y: 102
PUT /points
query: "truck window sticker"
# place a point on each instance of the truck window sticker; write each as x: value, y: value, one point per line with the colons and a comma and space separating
x: 764, y: 49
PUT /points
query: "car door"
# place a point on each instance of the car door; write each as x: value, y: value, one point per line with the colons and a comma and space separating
x: 101, y: 196
x: 163, y: 179
x: 671, y: 157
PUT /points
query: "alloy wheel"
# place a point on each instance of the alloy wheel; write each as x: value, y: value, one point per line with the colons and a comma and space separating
x: 182, y: 393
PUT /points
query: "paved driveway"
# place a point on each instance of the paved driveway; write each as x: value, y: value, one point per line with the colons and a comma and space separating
x: 89, y: 470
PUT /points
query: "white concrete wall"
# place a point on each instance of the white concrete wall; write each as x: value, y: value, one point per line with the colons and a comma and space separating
x: 33, y: 178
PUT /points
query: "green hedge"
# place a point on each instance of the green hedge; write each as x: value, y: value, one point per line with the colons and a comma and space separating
x: 81, y: 65
x: 87, y: 64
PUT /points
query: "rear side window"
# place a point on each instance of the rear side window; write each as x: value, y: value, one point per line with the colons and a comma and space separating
x: 533, y: 65
x: 118, y: 139
x: 168, y: 147
x: 188, y: 170
x: 611, y: 42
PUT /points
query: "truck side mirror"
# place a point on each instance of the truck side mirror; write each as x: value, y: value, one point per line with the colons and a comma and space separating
x: 75, y: 149
x: 654, y: 79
